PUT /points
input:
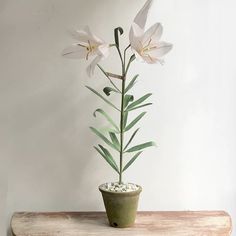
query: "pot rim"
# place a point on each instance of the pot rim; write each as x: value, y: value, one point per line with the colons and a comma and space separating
x: 120, y: 193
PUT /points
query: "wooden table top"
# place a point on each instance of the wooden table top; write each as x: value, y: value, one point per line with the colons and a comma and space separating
x: 184, y: 223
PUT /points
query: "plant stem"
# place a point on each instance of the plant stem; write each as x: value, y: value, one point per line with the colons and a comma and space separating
x: 125, y: 53
x: 122, y: 108
x: 122, y: 127
x: 124, y: 72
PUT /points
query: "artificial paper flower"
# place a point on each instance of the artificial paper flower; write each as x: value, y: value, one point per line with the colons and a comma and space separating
x: 145, y: 44
x: 88, y: 45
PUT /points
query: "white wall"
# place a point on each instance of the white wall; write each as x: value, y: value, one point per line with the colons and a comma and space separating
x: 47, y: 159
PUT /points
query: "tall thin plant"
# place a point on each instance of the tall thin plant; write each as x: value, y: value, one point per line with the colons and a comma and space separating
x: 145, y: 46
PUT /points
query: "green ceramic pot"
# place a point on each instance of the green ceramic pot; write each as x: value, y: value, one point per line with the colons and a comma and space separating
x: 121, y: 208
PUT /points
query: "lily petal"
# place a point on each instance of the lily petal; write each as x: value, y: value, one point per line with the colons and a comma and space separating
x: 79, y: 35
x: 160, y: 50
x: 74, y: 51
x: 90, y: 69
x: 92, y: 37
x: 139, y: 57
x: 137, y: 30
x: 103, y: 50
x: 153, y: 34
x: 149, y: 59
x: 83, y: 36
x: 136, y: 37
x: 141, y: 17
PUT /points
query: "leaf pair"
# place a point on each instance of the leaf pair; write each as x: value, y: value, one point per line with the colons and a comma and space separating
x: 114, y: 143
x: 131, y: 83
x: 127, y: 99
x: 131, y: 161
x: 141, y: 146
x: 135, y: 105
x: 108, y: 157
x: 137, y: 148
x: 135, y: 121
x: 115, y: 140
x: 109, y: 119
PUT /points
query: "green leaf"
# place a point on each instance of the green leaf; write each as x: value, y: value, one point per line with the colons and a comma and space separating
x: 100, y: 135
x: 105, y: 73
x: 128, y: 99
x: 114, y: 140
x: 104, y: 99
x: 141, y: 146
x: 108, y: 90
x: 134, y: 108
x: 116, y: 34
x: 125, y: 118
x: 107, y: 117
x: 131, y: 138
x: 108, y: 157
x: 131, y: 83
x: 131, y: 161
x: 129, y: 126
x: 137, y: 102
x: 108, y: 129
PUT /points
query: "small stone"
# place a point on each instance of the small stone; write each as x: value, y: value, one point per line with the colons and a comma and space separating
x: 116, y: 187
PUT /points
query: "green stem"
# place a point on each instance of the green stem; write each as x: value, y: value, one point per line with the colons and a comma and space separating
x: 122, y: 128
x: 122, y: 108
x: 122, y: 62
x: 125, y: 53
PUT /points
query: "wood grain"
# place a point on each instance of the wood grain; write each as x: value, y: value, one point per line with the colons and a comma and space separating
x: 185, y: 223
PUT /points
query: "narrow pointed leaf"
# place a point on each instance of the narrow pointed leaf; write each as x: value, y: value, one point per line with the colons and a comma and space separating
x: 109, y: 161
x: 131, y: 138
x: 104, y: 99
x: 108, y: 130
x: 128, y: 99
x: 141, y: 146
x: 137, y: 102
x: 131, y: 161
x: 134, y: 108
x: 114, y: 140
x: 135, y: 121
x: 108, y: 154
x: 107, y: 141
x: 125, y: 117
x: 109, y: 119
x: 105, y: 73
x: 131, y: 83
x: 108, y: 90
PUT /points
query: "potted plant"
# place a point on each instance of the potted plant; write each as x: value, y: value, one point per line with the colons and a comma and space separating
x: 121, y: 199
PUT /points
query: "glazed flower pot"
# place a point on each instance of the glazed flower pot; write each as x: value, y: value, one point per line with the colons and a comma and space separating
x: 121, y: 207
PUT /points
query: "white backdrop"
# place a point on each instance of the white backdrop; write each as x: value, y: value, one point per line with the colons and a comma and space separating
x: 47, y: 159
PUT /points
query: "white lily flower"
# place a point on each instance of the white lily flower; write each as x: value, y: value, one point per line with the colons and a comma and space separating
x: 145, y: 44
x: 88, y: 45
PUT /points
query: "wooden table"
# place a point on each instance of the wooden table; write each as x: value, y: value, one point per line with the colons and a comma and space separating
x: 185, y: 223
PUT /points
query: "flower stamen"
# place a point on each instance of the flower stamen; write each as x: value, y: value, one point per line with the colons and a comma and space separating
x: 90, y: 48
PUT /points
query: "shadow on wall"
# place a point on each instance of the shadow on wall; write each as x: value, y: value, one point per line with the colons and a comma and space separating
x: 9, y: 233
